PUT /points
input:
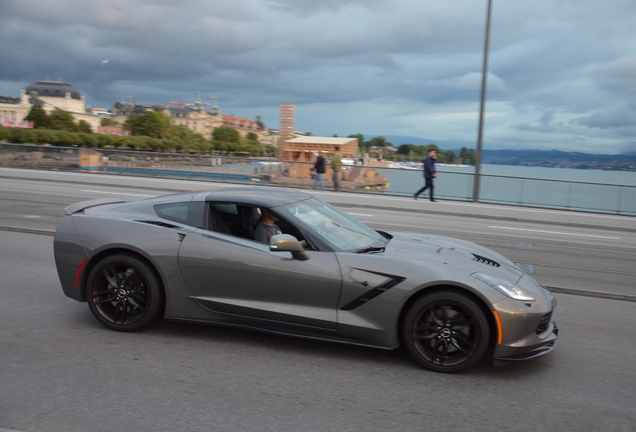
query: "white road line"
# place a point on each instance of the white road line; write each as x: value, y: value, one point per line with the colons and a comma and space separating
x: 554, y: 232
x: 118, y: 193
x: 360, y: 214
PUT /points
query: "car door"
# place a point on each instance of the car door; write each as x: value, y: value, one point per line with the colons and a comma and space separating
x: 241, y: 277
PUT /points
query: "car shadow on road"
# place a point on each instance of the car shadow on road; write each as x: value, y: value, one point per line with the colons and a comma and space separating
x: 398, y: 358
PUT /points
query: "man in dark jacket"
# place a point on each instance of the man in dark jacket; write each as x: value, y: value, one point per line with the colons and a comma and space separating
x: 429, y: 174
x: 319, y: 170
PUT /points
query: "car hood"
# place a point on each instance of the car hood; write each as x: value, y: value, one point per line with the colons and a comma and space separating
x: 417, y: 247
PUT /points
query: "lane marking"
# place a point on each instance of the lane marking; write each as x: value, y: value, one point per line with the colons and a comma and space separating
x: 360, y: 214
x: 554, y: 232
x: 117, y: 193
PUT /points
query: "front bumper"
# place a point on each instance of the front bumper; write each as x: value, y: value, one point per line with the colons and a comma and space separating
x: 503, y: 352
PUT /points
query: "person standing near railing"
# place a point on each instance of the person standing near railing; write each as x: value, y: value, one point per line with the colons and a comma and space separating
x: 336, y: 167
x: 429, y: 174
x: 319, y: 170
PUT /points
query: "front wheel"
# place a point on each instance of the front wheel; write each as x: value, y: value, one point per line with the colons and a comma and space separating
x: 123, y: 293
x: 446, y: 332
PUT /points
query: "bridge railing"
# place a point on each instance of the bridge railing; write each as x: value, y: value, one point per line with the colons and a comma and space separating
x: 451, y: 184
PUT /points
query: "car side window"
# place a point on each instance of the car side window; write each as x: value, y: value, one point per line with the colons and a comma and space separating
x: 188, y: 213
x: 241, y: 220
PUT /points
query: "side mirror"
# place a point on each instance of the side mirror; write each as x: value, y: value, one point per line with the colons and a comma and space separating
x: 288, y: 243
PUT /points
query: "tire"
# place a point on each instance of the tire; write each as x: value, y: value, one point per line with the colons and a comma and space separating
x: 123, y: 293
x: 446, y: 332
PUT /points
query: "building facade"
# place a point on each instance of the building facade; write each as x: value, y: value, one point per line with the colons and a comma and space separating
x: 51, y: 96
x: 197, y: 118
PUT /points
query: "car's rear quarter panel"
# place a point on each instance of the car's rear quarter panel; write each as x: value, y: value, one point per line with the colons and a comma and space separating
x: 103, y: 235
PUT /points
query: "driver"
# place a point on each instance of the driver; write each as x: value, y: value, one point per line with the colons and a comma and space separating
x: 266, y: 228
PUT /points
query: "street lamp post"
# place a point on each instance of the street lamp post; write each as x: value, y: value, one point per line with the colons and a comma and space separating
x: 482, y: 108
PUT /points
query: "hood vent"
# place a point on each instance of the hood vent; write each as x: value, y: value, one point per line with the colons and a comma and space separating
x: 485, y: 260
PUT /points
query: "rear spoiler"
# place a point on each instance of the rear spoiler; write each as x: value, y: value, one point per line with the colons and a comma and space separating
x: 80, y: 206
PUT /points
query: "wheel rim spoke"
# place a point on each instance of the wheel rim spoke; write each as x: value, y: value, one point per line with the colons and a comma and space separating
x: 446, y: 333
x: 120, y: 294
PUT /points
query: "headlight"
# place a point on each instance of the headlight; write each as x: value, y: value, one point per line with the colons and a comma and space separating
x: 504, y: 287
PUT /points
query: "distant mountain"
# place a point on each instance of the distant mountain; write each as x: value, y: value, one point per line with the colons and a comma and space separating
x: 545, y: 158
x: 397, y: 141
x: 561, y: 159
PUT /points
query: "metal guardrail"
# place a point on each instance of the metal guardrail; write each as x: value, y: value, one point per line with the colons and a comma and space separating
x: 450, y: 185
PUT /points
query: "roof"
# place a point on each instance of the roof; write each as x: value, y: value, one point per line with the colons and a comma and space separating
x: 322, y: 140
x: 53, y: 89
x: 9, y: 100
x: 257, y: 196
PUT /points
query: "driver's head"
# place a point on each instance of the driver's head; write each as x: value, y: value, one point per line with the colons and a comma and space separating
x: 268, y: 217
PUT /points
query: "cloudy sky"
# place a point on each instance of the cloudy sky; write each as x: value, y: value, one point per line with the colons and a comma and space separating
x: 562, y: 73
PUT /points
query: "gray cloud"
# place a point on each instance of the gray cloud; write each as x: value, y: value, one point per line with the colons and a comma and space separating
x: 562, y: 72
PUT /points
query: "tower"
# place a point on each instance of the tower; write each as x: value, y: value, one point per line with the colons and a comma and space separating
x: 286, y: 122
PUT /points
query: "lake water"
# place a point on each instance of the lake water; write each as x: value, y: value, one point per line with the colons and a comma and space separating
x: 623, y: 178
x: 592, y: 190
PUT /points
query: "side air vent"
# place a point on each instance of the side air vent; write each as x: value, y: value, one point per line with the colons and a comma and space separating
x: 485, y: 260
x: 159, y: 223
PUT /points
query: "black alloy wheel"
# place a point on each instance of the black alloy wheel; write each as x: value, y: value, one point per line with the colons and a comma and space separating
x: 123, y: 293
x: 446, y: 332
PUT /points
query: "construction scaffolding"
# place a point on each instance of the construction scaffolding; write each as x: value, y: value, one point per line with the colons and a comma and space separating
x: 286, y: 122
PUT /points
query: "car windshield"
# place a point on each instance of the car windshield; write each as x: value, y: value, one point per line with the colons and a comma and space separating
x: 338, y: 229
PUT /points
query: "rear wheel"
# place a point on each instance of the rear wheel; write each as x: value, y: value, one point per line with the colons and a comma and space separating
x: 123, y: 293
x: 446, y: 332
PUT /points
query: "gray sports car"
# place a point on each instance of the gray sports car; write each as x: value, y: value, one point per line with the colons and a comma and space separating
x: 323, y: 275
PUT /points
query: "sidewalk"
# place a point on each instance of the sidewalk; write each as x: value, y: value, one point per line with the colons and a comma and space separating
x: 350, y: 199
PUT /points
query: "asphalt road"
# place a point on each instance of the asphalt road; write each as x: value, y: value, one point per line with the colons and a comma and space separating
x: 60, y: 371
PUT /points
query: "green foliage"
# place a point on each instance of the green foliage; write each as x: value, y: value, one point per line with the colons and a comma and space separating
x: 4, y: 132
x: 152, y: 123
x: 467, y: 156
x: 251, y: 136
x: 225, y: 134
x: 62, y: 120
x: 360, y: 140
x: 406, y: 149
x: 378, y: 141
x: 19, y: 135
x: 447, y: 156
x: 109, y: 122
x: 86, y: 140
x: 39, y: 117
x: 84, y: 126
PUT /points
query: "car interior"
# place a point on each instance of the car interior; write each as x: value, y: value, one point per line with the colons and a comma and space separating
x: 241, y: 220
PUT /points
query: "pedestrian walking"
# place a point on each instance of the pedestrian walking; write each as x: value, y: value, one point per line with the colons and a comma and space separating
x: 319, y: 170
x: 336, y: 167
x: 429, y: 174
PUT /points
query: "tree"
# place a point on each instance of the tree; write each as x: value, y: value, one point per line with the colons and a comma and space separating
x: 62, y: 120
x: 378, y: 141
x: 252, y: 137
x: 152, y: 123
x: 109, y: 122
x: 4, y: 133
x: 225, y: 134
x: 467, y: 156
x: 84, y: 126
x: 360, y: 137
x: 406, y: 149
x: 39, y: 117
x: 447, y: 156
